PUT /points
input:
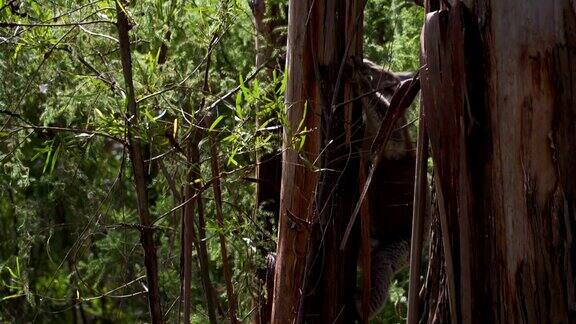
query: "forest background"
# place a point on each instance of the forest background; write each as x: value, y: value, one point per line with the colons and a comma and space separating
x: 70, y: 245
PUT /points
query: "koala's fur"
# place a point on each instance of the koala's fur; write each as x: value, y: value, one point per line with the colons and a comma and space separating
x: 391, y: 192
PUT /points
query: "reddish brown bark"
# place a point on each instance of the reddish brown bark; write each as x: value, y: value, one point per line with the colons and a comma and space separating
x: 498, y: 94
x: 418, y: 221
x: 193, y: 193
x: 226, y: 266
x: 298, y: 178
x: 321, y: 37
x: 139, y: 169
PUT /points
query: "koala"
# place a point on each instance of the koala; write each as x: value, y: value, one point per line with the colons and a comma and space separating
x: 390, y: 196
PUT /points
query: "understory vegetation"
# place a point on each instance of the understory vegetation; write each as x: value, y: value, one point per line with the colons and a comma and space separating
x: 70, y: 245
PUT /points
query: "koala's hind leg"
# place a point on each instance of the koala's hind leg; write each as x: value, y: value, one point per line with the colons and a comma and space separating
x: 387, y: 260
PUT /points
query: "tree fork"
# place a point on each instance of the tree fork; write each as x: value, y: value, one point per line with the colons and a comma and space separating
x: 194, y: 188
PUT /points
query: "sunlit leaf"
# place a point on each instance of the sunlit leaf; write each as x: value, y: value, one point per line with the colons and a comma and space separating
x: 216, y: 122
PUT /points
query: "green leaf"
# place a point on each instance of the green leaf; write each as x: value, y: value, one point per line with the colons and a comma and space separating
x: 55, y: 158
x: 41, y: 151
x: 47, y: 162
x: 35, y: 8
x: 302, y: 141
x: 232, y: 138
x: 152, y: 62
x: 245, y: 90
x: 239, y: 112
x: 99, y: 113
x: 48, y: 157
x: 215, y: 122
x: 17, y: 50
x: 175, y: 128
x: 149, y: 116
x: 265, y: 123
x: 256, y: 89
x: 231, y: 159
x: 284, y: 80
x: 303, y: 117
x: 12, y: 274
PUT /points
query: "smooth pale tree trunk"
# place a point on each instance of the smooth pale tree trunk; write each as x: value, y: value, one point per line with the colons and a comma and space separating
x: 314, y: 279
x: 499, y: 93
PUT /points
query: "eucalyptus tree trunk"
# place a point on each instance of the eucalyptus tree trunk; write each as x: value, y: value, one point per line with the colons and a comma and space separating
x: 499, y: 93
x: 314, y: 278
x: 298, y: 179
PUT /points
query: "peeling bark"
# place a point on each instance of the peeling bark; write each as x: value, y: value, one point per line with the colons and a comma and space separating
x: 312, y: 281
x: 298, y: 180
x: 498, y: 90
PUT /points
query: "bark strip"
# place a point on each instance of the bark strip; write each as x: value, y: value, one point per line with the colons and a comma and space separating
x: 418, y: 221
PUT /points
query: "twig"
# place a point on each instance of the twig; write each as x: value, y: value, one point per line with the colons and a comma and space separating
x: 215, y: 166
x: 76, y: 24
x: 180, y: 83
x: 220, y: 220
x: 89, y: 32
x: 108, y: 293
x: 359, y: 97
x: 74, y: 130
x: 235, y: 89
x: 170, y: 181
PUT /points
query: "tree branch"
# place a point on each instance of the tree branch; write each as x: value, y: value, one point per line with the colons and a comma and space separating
x: 140, y: 174
x: 71, y: 24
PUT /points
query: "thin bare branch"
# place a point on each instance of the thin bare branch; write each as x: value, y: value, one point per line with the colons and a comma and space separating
x: 70, y: 24
x: 74, y: 130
